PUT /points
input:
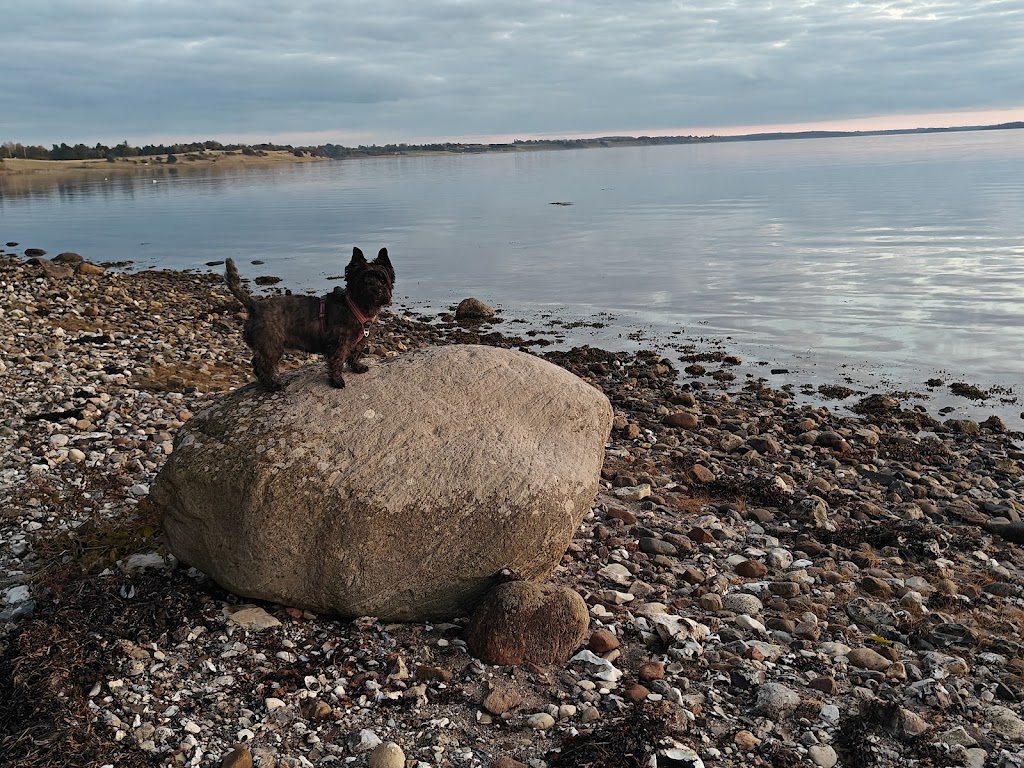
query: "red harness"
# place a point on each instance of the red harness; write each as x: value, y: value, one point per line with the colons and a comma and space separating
x: 364, y: 321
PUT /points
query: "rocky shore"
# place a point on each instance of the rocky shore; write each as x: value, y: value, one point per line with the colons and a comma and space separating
x: 768, y: 583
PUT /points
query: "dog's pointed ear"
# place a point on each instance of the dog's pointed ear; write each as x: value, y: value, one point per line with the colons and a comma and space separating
x: 385, y: 261
x: 357, y: 255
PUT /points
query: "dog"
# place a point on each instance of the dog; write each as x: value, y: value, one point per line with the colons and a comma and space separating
x: 335, y: 325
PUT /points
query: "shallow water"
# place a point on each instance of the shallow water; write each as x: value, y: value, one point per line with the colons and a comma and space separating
x: 884, y: 260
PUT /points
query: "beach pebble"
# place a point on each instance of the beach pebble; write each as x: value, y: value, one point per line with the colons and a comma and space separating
x: 1006, y: 723
x: 865, y: 658
x: 540, y: 721
x: 363, y: 740
x: 823, y: 755
x: 775, y: 700
x: 387, y: 755
x: 743, y: 603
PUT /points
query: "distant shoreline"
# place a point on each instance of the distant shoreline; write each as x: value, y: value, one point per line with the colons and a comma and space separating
x: 19, y: 168
x: 286, y: 154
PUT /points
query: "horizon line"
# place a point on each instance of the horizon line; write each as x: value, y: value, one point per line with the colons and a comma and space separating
x: 908, y: 122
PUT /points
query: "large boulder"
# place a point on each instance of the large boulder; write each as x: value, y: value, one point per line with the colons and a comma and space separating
x: 401, y: 496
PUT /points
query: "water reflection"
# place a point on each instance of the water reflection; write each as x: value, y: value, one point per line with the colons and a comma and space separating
x: 905, y: 252
x: 153, y: 181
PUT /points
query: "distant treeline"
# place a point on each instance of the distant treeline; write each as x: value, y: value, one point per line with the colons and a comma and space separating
x: 124, y: 151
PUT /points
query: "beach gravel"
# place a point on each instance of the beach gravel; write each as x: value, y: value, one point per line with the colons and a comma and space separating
x: 841, y: 587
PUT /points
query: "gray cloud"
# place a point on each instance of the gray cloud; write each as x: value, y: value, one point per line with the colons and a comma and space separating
x: 399, y: 69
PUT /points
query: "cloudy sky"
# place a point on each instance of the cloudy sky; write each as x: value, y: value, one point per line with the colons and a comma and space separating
x: 409, y: 70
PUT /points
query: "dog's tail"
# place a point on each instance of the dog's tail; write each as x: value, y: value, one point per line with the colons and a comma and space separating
x: 235, y: 285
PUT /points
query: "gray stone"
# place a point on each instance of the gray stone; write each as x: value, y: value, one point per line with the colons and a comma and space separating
x: 814, y: 510
x: 779, y: 558
x: 869, y: 613
x: 911, y: 723
x: 17, y: 594
x: 1006, y: 723
x: 775, y: 700
x: 143, y: 561
x: 363, y: 740
x: 823, y: 755
x: 957, y: 735
x: 400, y: 496
x: 654, y: 546
x: 741, y: 602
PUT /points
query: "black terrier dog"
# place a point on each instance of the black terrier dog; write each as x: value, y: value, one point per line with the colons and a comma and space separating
x: 335, y: 325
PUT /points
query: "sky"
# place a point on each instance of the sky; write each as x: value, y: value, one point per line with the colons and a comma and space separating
x: 317, y: 71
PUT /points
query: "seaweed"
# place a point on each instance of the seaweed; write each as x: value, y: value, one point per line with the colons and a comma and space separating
x: 626, y: 741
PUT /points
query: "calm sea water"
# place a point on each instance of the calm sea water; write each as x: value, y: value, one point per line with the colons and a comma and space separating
x: 881, y: 260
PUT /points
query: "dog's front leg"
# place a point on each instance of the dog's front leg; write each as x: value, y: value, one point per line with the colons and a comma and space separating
x: 353, y: 359
x: 335, y: 365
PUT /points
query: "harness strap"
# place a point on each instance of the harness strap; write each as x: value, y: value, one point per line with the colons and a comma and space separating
x: 363, y: 320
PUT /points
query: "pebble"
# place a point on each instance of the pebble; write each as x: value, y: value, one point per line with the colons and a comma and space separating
x: 749, y: 623
x: 253, y: 618
x: 823, y: 755
x: 387, y: 755
x: 239, y: 757
x: 617, y: 573
x: 826, y: 685
x: 363, y: 740
x: 15, y: 595
x: 865, y: 658
x: 1006, y: 723
x: 751, y: 569
x: 602, y: 641
x: 775, y: 700
x: 746, y: 741
x: 633, y: 493
x: 540, y: 721
x: 635, y: 692
x: 742, y: 603
x: 651, y: 670
x: 501, y: 700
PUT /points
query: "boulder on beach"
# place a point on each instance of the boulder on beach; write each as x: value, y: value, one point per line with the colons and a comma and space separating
x: 523, y: 623
x: 401, y: 496
x: 473, y: 310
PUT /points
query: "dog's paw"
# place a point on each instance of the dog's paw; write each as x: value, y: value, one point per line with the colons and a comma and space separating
x: 272, y: 386
x: 359, y: 367
x: 338, y: 383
